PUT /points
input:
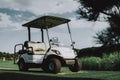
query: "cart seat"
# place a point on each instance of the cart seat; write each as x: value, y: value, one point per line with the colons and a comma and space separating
x: 37, y: 47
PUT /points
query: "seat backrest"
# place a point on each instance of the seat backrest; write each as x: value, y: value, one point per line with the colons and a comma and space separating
x: 38, y: 48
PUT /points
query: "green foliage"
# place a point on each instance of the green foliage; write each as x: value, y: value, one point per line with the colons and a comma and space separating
x: 98, y: 51
x: 107, y: 62
x: 92, y: 9
x: 92, y: 51
x: 110, y: 35
x: 107, y: 37
x: 91, y: 63
x: 6, y: 55
x: 111, y: 8
x: 111, y: 62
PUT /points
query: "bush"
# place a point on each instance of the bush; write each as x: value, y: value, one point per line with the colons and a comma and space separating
x: 98, y: 51
x: 107, y: 62
x: 111, y: 62
x: 91, y: 63
x: 88, y: 52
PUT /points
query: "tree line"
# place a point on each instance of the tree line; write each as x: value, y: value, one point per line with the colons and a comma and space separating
x: 6, y: 55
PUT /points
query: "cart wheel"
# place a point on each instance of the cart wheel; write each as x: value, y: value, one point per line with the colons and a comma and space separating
x: 76, y: 67
x: 54, y: 65
x: 22, y: 65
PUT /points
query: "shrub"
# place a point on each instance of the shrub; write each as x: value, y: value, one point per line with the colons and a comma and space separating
x: 98, y: 51
x: 111, y: 62
x: 107, y: 62
x: 91, y: 63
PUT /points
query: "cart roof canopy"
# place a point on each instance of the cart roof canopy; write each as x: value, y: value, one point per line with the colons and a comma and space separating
x: 46, y: 22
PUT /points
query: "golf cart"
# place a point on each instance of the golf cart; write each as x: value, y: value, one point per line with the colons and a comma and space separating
x: 51, y: 55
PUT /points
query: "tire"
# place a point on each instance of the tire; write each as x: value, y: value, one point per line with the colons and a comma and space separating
x: 22, y: 65
x: 75, y: 67
x: 53, y: 65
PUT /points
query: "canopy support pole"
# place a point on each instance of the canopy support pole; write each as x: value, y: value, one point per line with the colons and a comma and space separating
x: 29, y: 34
x: 42, y: 35
x: 70, y: 35
x: 47, y: 31
x: 47, y: 34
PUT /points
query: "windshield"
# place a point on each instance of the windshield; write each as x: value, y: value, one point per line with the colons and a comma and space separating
x: 55, y: 43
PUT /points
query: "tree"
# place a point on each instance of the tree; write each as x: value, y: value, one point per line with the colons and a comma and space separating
x: 111, y: 35
x: 91, y: 10
x: 5, y: 54
x: 107, y: 37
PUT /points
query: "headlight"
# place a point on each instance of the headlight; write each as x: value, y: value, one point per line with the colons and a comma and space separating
x: 75, y: 52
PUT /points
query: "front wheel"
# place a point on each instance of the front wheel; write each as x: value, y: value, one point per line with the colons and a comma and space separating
x: 54, y: 65
x: 75, y: 67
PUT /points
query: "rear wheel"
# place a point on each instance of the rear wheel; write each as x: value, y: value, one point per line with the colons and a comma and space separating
x: 53, y: 65
x: 22, y: 65
x: 75, y: 67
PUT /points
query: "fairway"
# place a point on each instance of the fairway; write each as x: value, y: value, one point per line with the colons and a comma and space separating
x: 7, y: 68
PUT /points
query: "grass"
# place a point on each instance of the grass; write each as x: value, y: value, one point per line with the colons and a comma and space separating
x: 7, y: 64
x: 38, y: 74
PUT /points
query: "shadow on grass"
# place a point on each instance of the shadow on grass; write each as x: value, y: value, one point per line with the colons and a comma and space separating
x: 16, y: 75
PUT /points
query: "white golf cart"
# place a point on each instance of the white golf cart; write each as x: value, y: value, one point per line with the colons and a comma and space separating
x: 51, y: 55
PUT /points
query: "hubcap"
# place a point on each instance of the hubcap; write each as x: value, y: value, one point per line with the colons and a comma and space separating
x: 51, y: 66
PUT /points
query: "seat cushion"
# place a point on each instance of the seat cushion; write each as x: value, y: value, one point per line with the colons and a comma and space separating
x: 38, y: 48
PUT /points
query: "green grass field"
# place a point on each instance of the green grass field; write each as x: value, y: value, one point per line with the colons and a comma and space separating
x: 9, y: 71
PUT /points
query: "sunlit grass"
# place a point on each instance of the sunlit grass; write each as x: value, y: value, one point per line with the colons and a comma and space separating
x: 7, y: 64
